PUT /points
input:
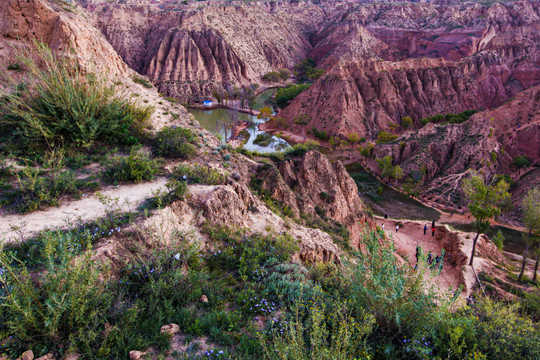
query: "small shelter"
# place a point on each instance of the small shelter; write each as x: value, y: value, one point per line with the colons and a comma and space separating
x: 207, y: 102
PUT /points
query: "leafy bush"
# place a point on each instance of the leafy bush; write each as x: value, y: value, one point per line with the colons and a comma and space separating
x: 285, y: 95
x: 65, y: 303
x: 284, y: 74
x: 406, y: 122
x: 136, y: 167
x: 176, y: 190
x: 403, y: 301
x: 449, y: 118
x: 311, y: 332
x: 521, y: 161
x: 263, y: 139
x: 14, y: 66
x: 489, y: 329
x: 306, y: 70
x: 384, y: 137
x: 198, y: 174
x: 271, y: 77
x: 322, y: 135
x: 143, y: 81
x: 37, y: 189
x: 353, y: 138
x: 65, y: 106
x: 174, y: 143
x: 301, y: 149
x: 498, y: 240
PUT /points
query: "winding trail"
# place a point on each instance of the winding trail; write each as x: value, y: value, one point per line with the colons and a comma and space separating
x: 125, y: 197
x: 411, y: 234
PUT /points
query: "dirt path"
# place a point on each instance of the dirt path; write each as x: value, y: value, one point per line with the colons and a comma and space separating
x: 87, y: 209
x: 411, y: 234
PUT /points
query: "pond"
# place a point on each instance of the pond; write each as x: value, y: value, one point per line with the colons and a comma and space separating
x: 258, y: 140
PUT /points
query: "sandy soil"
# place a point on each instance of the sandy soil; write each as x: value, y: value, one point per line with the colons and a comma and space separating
x: 411, y: 234
x: 86, y: 209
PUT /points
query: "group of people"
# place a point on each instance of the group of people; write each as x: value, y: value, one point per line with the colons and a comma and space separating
x: 433, y: 262
x: 432, y: 228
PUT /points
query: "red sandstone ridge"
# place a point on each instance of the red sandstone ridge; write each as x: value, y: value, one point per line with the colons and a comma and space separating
x: 488, y: 142
x: 313, y: 186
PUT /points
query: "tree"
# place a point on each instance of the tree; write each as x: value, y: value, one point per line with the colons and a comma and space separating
x: 531, y: 220
x: 366, y: 150
x: 484, y: 203
x: 521, y: 161
x: 284, y: 74
x: 271, y: 77
x: 397, y: 173
x: 385, y: 165
x: 265, y: 113
x: 406, y: 122
x: 353, y: 138
x: 498, y: 240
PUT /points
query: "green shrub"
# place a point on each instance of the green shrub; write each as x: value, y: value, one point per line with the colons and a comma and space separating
x: 403, y: 301
x: 311, y: 332
x: 322, y: 135
x: 175, y: 190
x: 64, y: 304
x: 406, y: 122
x: 143, y: 81
x: 65, y: 106
x: 354, y: 138
x: 271, y: 77
x: 285, y: 95
x: 198, y: 174
x: 498, y: 240
x: 493, y: 156
x: 384, y: 137
x: 301, y: 149
x: 39, y: 189
x: 306, y: 70
x: 521, y: 161
x: 174, y: 143
x: 14, y: 66
x: 263, y: 139
x: 489, y: 329
x: 136, y: 167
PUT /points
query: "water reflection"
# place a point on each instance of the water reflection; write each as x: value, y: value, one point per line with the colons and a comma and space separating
x: 209, y: 119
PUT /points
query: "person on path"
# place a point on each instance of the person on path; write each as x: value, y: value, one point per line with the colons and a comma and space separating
x: 397, y: 228
x: 433, y: 224
x: 429, y: 257
x: 417, y: 252
x: 425, y: 229
x: 433, y: 231
x: 382, y: 227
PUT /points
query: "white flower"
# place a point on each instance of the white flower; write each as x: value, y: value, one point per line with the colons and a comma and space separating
x: 177, y: 256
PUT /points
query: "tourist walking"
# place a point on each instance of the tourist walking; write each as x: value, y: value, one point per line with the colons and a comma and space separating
x: 397, y: 228
x: 425, y: 229
x: 433, y: 231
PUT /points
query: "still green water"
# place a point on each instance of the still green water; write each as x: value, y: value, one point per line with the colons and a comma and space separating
x: 210, y: 119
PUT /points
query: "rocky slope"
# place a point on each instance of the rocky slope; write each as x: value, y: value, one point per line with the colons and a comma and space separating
x: 419, y: 60
x: 233, y: 204
x: 487, y: 142
x: 186, y: 50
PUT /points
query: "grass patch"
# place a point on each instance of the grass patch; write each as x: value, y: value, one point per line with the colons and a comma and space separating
x: 174, y: 143
x: 40, y: 188
x: 136, y: 167
x: 142, y: 81
x: 66, y: 107
x: 198, y: 174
